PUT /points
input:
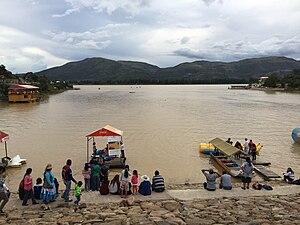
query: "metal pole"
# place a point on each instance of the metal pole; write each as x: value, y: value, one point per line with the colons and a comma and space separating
x: 87, y: 149
x: 5, y: 148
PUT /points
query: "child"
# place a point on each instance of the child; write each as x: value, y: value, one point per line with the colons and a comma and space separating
x: 86, y: 173
x: 78, y: 192
x: 134, y: 181
x: 38, y: 188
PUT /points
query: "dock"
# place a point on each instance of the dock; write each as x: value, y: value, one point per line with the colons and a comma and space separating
x: 266, y: 174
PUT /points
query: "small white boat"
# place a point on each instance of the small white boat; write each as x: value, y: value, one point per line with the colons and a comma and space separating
x: 16, y: 162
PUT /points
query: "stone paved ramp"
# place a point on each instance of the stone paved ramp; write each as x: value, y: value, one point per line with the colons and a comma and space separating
x: 189, y: 194
x: 235, y: 192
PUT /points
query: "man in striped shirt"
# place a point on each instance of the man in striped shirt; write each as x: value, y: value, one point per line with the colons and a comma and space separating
x: 158, y: 184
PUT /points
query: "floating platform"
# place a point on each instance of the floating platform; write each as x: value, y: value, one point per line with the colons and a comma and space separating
x: 266, y: 174
x: 261, y: 163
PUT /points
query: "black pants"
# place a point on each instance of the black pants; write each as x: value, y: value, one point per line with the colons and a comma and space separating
x: 29, y: 195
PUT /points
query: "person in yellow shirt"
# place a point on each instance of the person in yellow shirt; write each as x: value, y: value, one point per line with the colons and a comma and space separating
x: 258, y: 148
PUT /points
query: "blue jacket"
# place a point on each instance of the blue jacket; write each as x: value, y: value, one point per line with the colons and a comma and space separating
x: 145, y: 188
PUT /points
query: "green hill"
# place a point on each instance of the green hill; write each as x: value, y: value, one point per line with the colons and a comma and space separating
x: 105, y: 71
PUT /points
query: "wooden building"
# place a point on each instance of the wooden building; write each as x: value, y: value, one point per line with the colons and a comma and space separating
x: 23, y: 93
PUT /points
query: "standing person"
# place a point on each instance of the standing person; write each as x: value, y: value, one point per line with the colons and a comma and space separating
x: 67, y: 178
x: 135, y: 182
x: 125, y: 178
x: 3, y: 189
x: 225, y: 181
x: 158, y: 183
x: 247, y: 169
x: 253, y: 151
x: 114, y: 187
x: 104, y: 172
x: 246, y: 145
x: 239, y: 146
x: 250, y: 146
x: 289, y: 176
x: 211, y: 178
x: 122, y: 150
x: 86, y: 173
x: 37, y: 188
x: 78, y: 192
x: 94, y: 149
x: 48, y: 192
x: 28, y: 188
x: 95, y: 176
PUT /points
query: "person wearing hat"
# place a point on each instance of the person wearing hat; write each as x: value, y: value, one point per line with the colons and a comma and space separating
x: 211, y: 178
x: 48, y: 192
x: 145, y: 186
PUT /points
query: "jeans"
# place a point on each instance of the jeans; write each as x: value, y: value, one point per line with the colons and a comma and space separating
x: 77, y: 200
x: 3, y: 198
x: 67, y: 191
x: 87, y: 184
x: 95, y: 183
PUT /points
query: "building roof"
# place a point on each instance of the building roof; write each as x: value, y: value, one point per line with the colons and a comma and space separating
x: 22, y: 86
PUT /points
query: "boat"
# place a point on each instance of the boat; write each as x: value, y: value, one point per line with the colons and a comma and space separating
x: 114, y: 158
x: 6, y: 161
x: 16, y: 162
x: 226, y: 159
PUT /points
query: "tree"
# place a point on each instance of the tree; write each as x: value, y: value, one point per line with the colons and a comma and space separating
x: 272, y: 81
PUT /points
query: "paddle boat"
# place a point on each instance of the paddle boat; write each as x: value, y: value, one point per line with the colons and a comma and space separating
x: 7, y: 161
x: 112, y: 155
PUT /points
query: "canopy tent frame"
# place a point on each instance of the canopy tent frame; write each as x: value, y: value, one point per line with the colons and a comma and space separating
x: 107, y: 131
x: 226, y: 148
x: 3, y: 138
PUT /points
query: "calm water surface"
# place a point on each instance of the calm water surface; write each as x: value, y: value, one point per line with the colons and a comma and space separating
x: 163, y: 126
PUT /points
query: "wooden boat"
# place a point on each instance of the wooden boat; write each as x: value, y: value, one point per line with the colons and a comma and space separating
x: 226, y: 160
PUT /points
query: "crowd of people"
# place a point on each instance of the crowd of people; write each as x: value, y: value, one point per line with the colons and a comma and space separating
x: 249, y: 148
x: 95, y: 175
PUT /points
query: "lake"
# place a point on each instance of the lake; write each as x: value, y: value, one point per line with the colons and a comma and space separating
x: 163, y: 127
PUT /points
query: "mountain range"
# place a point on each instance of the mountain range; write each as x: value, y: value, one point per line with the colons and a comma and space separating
x: 105, y: 71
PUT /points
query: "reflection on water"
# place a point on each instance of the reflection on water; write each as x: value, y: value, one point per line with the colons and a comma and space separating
x: 163, y: 126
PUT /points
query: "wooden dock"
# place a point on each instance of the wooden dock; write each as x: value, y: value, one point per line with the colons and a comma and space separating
x: 266, y: 174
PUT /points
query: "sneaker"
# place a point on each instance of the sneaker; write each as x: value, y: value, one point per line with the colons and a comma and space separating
x: 1, y: 212
x: 25, y: 204
x: 243, y: 188
x: 35, y: 203
x: 68, y: 200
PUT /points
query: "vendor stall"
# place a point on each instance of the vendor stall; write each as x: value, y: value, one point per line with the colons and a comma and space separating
x: 112, y: 152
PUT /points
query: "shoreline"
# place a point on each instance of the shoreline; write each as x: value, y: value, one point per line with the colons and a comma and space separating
x: 192, y: 205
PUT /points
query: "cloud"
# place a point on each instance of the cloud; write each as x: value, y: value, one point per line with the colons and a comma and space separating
x: 66, y: 13
x: 161, y: 32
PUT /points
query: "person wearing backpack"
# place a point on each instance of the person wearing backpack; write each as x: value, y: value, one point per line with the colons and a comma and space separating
x: 48, y: 192
x: 67, y: 179
x: 28, y: 184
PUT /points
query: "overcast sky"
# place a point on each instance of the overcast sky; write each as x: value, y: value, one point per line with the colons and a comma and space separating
x: 40, y: 34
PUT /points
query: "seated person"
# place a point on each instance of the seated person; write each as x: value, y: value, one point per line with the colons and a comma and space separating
x: 225, y: 182
x: 38, y: 188
x: 211, y: 177
x: 145, y: 186
x: 158, y: 184
x: 104, y: 190
x: 289, y: 176
x: 114, y: 187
